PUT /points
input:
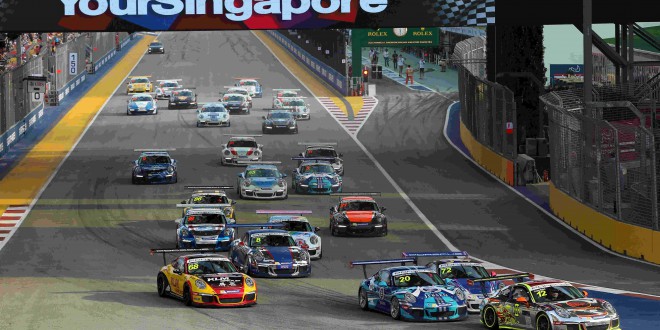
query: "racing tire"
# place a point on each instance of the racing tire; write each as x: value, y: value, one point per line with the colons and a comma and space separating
x: 334, y: 231
x: 286, y: 196
x: 363, y: 300
x: 198, y: 124
x: 489, y: 319
x: 169, y: 107
x: 543, y: 322
x: 161, y: 283
x: 229, y: 124
x: 395, y: 309
x: 247, y: 266
x: 187, y: 296
x: 296, y: 131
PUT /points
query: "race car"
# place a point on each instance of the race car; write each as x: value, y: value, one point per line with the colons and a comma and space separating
x: 141, y: 104
x: 213, y: 114
x: 139, y: 84
x: 323, y: 150
x: 165, y: 88
x: 237, y: 90
x: 154, y: 166
x: 252, y: 84
x: 316, y: 176
x: 156, y: 47
x: 262, y: 181
x: 205, y: 280
x: 182, y: 98
x: 357, y: 214
x: 210, y: 196
x: 546, y: 305
x: 298, y: 226
x: 281, y: 93
x: 236, y: 102
x: 204, y: 228
x: 270, y: 253
x: 459, y: 267
x: 296, y: 105
x: 241, y: 149
x: 279, y: 120
x: 411, y: 293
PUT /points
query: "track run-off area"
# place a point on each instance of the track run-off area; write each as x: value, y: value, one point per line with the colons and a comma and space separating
x: 77, y: 254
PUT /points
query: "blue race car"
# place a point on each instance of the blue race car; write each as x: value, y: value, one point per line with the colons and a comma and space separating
x: 316, y: 176
x: 154, y: 166
x: 205, y: 228
x: 270, y: 253
x: 412, y: 293
x: 142, y: 103
x: 300, y: 229
x: 262, y: 181
x: 465, y: 272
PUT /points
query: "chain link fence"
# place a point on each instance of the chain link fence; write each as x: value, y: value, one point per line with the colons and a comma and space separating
x: 15, y: 104
x: 488, y: 109
x: 604, y: 153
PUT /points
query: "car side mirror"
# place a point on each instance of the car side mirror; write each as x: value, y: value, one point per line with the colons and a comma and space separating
x: 301, y: 155
x: 585, y: 293
x: 263, y: 117
x: 184, y: 202
x: 233, y: 202
x: 383, y: 209
x: 341, y: 155
x: 284, y: 175
x: 231, y: 221
x: 240, y: 175
x: 317, y: 229
x: 260, y: 146
x: 224, y: 146
x: 197, y: 110
x: 176, y: 271
x: 178, y: 222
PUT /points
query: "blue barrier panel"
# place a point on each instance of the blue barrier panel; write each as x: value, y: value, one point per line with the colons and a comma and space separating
x: 328, y: 74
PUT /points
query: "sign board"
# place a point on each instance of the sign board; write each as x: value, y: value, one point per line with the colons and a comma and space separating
x: 36, y: 88
x: 399, y: 37
x: 566, y: 73
x: 73, y: 64
x: 509, y: 128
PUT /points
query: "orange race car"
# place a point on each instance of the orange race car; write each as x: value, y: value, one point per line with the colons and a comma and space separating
x: 205, y: 280
x: 357, y: 214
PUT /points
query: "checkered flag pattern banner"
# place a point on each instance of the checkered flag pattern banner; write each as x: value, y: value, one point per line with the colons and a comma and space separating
x: 463, y: 12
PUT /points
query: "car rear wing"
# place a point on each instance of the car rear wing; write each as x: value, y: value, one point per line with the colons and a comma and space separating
x: 209, y: 187
x: 284, y: 212
x: 245, y: 78
x: 365, y: 263
x: 203, y: 206
x: 318, y: 144
x: 346, y: 194
x: 242, y: 135
x: 286, y: 90
x: 311, y: 159
x: 154, y: 150
x: 247, y: 162
x: 167, y: 251
x: 168, y: 80
x: 452, y: 254
x: 518, y: 278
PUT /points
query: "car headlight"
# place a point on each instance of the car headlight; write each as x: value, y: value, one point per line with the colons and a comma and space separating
x: 227, y: 153
x: 133, y: 106
x: 130, y: 86
x: 170, y: 169
x: 225, y: 116
x: 185, y: 232
x: 281, y: 182
x: 201, y: 116
x: 259, y: 257
x: 409, y: 298
x: 228, y: 211
x: 292, y: 123
x: 562, y: 312
x: 257, y: 152
x: 460, y: 294
x: 377, y: 219
x: 247, y: 183
x: 314, y: 240
x: 249, y: 281
x: 609, y: 307
x: 200, y: 284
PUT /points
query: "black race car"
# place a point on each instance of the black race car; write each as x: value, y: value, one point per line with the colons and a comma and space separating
x: 279, y: 121
x: 156, y: 47
x: 182, y: 98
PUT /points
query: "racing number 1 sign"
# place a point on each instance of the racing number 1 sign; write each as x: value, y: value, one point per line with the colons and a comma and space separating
x: 73, y: 64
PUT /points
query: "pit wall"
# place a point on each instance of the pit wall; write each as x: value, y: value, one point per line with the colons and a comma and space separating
x: 488, y: 159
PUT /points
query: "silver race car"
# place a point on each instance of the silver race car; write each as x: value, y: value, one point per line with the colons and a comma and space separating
x: 243, y: 148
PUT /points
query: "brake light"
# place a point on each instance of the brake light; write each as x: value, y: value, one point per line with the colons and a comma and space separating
x: 250, y: 152
x: 233, y: 152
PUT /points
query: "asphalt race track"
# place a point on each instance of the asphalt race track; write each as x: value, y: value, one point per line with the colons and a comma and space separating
x: 85, y: 245
x: 81, y: 258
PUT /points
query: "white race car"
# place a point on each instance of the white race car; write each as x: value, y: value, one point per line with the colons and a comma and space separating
x: 165, y: 87
x: 237, y: 90
x: 242, y: 148
x: 213, y: 114
x: 298, y: 226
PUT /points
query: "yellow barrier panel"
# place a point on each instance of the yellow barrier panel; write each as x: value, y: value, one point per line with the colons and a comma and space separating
x: 488, y: 159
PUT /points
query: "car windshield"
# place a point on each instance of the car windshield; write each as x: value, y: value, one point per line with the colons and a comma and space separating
x: 556, y: 293
x: 214, y: 109
x: 141, y: 99
x: 238, y: 91
x: 321, y: 153
x: 183, y: 93
x: 280, y: 115
x: 288, y: 94
x: 154, y: 160
x: 140, y: 81
x: 297, y: 226
x: 358, y: 206
x: 242, y: 144
x: 206, y: 219
x: 156, y: 44
x: 463, y: 271
x: 294, y: 103
x: 209, y: 266
x: 210, y: 199
x: 262, y: 173
x: 170, y: 84
x: 271, y: 240
x: 248, y: 83
x: 416, y: 279
x: 233, y: 98
x: 317, y: 168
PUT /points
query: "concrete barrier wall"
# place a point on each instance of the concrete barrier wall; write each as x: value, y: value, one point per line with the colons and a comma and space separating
x: 488, y: 159
x: 323, y: 71
x: 626, y: 239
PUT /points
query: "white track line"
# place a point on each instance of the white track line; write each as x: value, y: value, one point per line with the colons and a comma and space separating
x: 59, y: 166
x: 419, y: 213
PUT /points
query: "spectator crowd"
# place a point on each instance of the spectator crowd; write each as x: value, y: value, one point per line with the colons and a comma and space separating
x: 17, y: 51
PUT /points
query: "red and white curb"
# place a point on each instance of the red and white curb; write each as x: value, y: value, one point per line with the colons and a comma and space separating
x: 10, y: 221
x: 352, y: 126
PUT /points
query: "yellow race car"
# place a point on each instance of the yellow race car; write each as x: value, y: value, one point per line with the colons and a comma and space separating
x: 205, y: 280
x: 139, y: 84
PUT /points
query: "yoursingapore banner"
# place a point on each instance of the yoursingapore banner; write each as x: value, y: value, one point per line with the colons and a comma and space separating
x: 164, y: 15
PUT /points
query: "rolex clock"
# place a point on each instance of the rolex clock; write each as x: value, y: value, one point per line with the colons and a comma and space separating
x: 400, y: 32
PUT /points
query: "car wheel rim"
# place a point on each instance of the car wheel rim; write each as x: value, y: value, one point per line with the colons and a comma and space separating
x: 363, y: 299
x: 489, y: 317
x: 394, y: 309
x: 543, y: 323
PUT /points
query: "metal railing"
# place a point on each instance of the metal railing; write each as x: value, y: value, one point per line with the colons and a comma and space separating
x: 487, y: 108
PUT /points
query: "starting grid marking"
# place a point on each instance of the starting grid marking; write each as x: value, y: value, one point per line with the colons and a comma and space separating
x: 10, y: 220
x: 353, y: 126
